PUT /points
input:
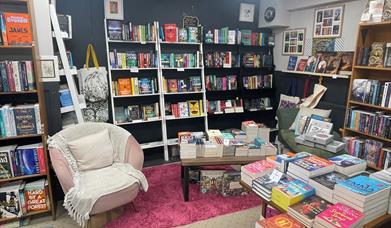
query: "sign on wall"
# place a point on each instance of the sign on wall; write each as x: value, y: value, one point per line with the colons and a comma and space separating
x: 328, y: 22
x: 293, y: 42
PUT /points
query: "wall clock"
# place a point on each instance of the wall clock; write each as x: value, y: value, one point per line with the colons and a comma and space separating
x: 270, y: 14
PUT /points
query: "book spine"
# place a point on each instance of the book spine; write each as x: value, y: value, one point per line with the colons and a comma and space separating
x: 41, y: 160
x: 16, y: 76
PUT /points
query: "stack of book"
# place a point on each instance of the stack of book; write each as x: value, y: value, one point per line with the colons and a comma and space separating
x: 306, y: 210
x: 383, y: 175
x: 367, y: 195
x: 339, y: 215
x: 263, y: 185
x: 213, y: 148
x: 282, y: 160
x: 290, y: 191
x: 373, y: 92
x: 324, y: 184
x: 135, y: 86
x: 225, y: 106
x: 224, y: 83
x: 120, y: 30
x: 228, y: 148
x: 258, y: 81
x: 16, y: 76
x: 281, y: 220
x: 183, y: 109
x: 254, y: 170
x: 308, y: 167
x: 191, y: 84
x: 251, y: 129
x: 19, y: 120
x: 137, y: 113
x: 131, y: 59
x: 187, y: 60
x: 348, y: 164
x: 257, y: 104
x: 188, y: 142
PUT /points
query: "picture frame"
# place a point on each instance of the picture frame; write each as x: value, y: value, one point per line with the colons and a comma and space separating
x: 114, y: 9
x: 246, y: 13
x: 328, y: 22
x: 48, y: 66
x: 293, y: 41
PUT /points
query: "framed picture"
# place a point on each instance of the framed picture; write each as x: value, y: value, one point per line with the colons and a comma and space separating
x: 246, y: 12
x: 328, y: 22
x: 49, y: 68
x: 293, y: 42
x: 114, y: 9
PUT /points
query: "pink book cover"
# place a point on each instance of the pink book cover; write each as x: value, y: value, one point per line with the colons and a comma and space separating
x: 341, y: 216
x: 258, y: 167
x: 224, y: 83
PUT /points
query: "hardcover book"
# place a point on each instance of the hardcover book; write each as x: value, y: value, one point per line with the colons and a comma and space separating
x: 364, y: 185
x: 312, y: 163
x: 310, y: 207
x: 292, y: 63
x: 124, y: 86
x: 340, y: 215
x: 194, y: 108
x: 35, y: 195
x: 329, y: 180
x: 25, y: 120
x: 114, y: 29
x: 18, y: 28
x: 145, y: 86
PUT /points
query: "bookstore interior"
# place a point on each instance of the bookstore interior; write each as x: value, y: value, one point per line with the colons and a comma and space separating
x: 223, y: 113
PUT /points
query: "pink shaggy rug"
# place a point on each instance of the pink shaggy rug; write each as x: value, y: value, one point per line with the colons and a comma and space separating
x: 163, y: 205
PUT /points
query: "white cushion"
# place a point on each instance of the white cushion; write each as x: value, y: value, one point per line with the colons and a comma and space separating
x: 93, y: 151
x: 308, y: 112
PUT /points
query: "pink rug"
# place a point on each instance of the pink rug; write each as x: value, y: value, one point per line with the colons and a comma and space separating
x: 163, y: 205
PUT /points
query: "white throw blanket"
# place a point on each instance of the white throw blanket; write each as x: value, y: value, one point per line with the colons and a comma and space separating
x: 90, y: 185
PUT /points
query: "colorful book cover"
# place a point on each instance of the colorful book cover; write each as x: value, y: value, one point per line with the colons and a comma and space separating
x: 194, y: 108
x: 292, y: 62
x: 340, y: 215
x: 25, y: 120
x: 149, y: 111
x: 170, y: 32
x: 9, y: 200
x: 364, y: 185
x: 311, y: 207
x: 183, y: 109
x: 231, y: 185
x: 293, y: 188
x: 279, y: 221
x: 124, y: 86
x: 5, y: 162
x: 346, y: 160
x: 211, y: 181
x: 172, y: 85
x: 312, y: 163
x: 145, y: 86
x: 267, y: 183
x: 329, y: 180
x: 35, y: 196
x: 18, y: 28
x: 28, y: 161
x: 258, y: 167
x: 114, y: 29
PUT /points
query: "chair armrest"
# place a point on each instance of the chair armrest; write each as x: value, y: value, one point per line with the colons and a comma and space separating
x: 134, y: 155
x: 61, y: 168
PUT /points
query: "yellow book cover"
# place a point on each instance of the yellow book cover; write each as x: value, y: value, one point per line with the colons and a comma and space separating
x: 194, y: 108
x: 164, y: 85
x: 281, y: 199
x: 133, y: 90
x: 123, y: 60
x: 201, y: 108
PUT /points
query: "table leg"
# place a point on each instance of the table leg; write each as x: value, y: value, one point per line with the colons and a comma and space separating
x: 185, y: 185
x: 263, y: 208
x: 182, y: 171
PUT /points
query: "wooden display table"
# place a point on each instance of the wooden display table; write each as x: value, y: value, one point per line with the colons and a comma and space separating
x: 186, y: 164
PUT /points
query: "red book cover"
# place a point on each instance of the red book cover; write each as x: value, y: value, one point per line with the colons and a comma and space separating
x: 35, y: 200
x: 170, y: 32
x: 18, y: 28
x: 41, y: 160
x: 281, y: 220
x: 10, y: 73
x: 253, y: 38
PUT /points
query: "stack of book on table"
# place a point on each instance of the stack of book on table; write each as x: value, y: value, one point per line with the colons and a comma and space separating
x: 367, y: 195
x: 306, y: 210
x: 282, y: 160
x: 281, y: 220
x: 324, y: 184
x: 263, y: 185
x: 348, y: 164
x: 188, y: 143
x: 309, y: 166
x: 339, y: 215
x: 254, y: 170
x: 383, y: 175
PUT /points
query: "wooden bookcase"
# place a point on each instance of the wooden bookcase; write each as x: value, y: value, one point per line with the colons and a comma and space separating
x: 367, y: 34
x: 26, y: 52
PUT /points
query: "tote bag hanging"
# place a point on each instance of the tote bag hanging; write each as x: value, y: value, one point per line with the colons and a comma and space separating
x: 94, y: 86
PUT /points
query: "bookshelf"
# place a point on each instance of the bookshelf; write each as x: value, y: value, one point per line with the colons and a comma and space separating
x: 31, y: 96
x: 367, y: 34
x: 334, y: 76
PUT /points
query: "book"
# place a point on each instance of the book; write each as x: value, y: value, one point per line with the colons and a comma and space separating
x: 114, y: 29
x: 211, y: 181
x: 346, y: 65
x: 306, y: 210
x: 324, y: 184
x: 348, y: 164
x: 6, y: 166
x: 18, y: 28
x: 339, y: 215
x: 231, y: 185
x: 124, y: 86
x: 278, y: 221
x: 301, y: 63
x: 333, y: 64
x: 194, y: 108
x: 311, y: 166
x: 311, y: 64
x: 31, y: 159
x: 256, y: 169
x: 292, y: 63
x: 170, y: 32
x: 35, y: 195
x: 377, y: 54
x: 9, y: 200
x: 25, y: 120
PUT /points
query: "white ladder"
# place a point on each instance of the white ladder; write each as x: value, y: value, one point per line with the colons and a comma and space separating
x: 67, y: 71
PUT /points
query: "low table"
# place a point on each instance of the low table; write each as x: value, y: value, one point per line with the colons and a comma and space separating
x: 186, y: 164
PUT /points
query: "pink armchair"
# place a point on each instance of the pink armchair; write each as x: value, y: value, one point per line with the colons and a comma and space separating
x: 133, y: 155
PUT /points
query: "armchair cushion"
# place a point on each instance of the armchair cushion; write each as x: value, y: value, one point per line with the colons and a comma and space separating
x: 94, y: 151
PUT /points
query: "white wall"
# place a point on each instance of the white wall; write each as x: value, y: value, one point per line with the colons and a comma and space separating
x: 304, y: 18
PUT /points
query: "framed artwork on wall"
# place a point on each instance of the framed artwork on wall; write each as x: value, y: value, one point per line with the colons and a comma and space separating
x: 293, y: 42
x: 328, y: 22
x: 114, y: 9
x: 246, y: 12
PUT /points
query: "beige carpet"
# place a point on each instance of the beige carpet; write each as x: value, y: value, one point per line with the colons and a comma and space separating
x: 243, y: 219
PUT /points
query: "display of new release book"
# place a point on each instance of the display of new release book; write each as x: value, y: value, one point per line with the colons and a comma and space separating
x: 348, y: 164
x: 306, y: 210
x: 311, y: 166
x: 278, y: 221
x: 291, y: 191
x: 339, y: 215
x: 254, y: 170
x: 324, y: 184
x: 319, y: 138
x: 263, y: 185
x: 334, y: 146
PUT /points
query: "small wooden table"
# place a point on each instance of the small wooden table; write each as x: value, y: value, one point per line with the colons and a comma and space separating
x: 186, y: 164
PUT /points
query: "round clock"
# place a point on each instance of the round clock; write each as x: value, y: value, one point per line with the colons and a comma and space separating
x: 270, y: 13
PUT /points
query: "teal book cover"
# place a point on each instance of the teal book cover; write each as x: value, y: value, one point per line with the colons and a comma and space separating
x: 364, y: 185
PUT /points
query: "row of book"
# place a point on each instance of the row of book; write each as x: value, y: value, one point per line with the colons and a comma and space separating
x: 137, y: 113
x: 189, y: 108
x: 229, y: 36
x: 257, y: 104
x: 16, y: 76
x: 225, y: 106
x: 214, y: 83
x: 131, y: 59
x: 186, y: 60
x: 15, y: 29
x: 371, y: 150
x: 221, y: 60
x: 20, y: 120
x: 171, y: 33
x: 251, y: 60
x: 373, y: 92
x: 22, y: 160
x: 258, y: 81
x: 191, y: 84
x: 120, y: 30
x: 377, y: 55
x: 336, y: 181
x: 323, y: 62
x: 135, y: 86
x: 373, y: 123
x: 19, y: 198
